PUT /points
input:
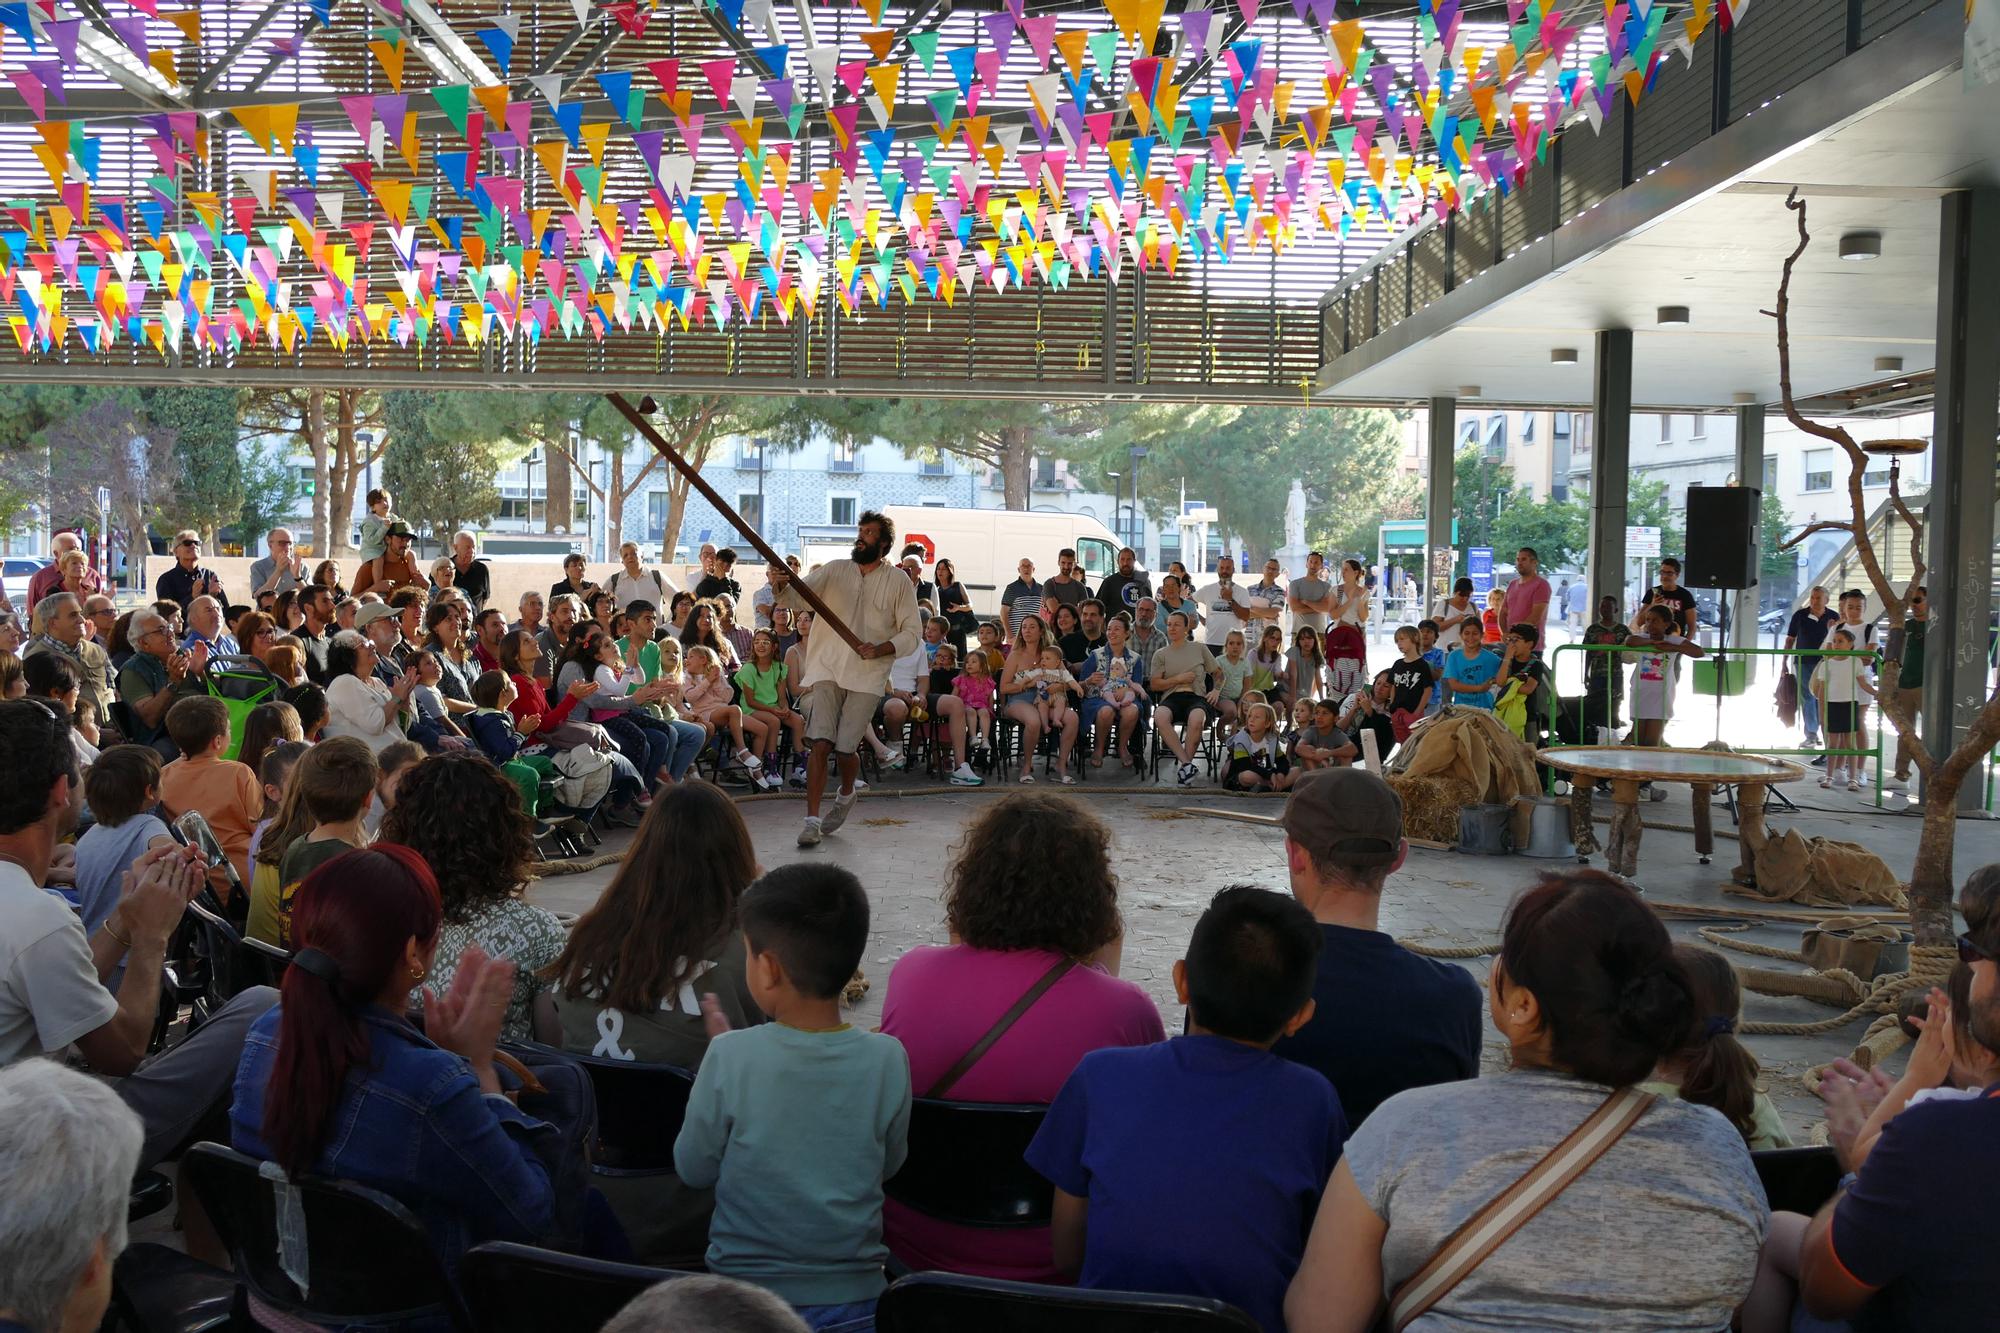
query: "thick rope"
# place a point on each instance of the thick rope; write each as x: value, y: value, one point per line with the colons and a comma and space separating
x: 1930, y: 965
x: 1714, y: 935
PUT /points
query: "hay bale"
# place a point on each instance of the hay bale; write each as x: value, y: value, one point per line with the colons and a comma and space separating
x: 1431, y: 805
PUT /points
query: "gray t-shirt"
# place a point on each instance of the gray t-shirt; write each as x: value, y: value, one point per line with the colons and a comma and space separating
x: 1310, y: 590
x: 49, y: 991
x: 1176, y: 659
x: 1660, y: 1233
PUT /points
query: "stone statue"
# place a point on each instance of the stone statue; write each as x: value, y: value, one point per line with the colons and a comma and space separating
x: 1295, y: 517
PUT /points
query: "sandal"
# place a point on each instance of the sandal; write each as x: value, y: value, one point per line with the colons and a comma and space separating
x: 1027, y: 777
x: 1066, y: 779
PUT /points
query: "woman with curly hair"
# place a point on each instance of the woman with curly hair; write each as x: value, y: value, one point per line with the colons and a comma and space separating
x: 460, y: 814
x: 1031, y: 902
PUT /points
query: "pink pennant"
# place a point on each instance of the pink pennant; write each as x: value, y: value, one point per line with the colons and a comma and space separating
x: 32, y: 93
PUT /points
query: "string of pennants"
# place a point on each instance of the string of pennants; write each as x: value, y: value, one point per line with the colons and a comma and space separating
x: 902, y: 209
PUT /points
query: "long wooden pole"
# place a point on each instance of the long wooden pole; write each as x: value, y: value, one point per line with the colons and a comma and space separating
x: 750, y: 534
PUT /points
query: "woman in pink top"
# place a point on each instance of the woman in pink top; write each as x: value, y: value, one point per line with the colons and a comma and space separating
x: 1031, y: 886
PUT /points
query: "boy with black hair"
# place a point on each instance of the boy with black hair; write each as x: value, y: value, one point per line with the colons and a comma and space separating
x: 1521, y: 667
x: 335, y: 781
x: 226, y: 793
x: 121, y: 788
x: 796, y: 1123
x: 1193, y: 1166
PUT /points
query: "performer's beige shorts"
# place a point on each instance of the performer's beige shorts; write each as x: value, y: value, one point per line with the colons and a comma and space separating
x: 838, y: 715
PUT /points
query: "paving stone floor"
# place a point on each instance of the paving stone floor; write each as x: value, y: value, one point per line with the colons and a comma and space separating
x: 1170, y: 862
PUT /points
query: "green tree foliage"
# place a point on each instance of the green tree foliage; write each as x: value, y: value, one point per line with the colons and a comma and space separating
x: 271, y: 488
x: 1242, y: 460
x: 1559, y: 530
x: 1482, y: 486
x: 1775, y: 565
x: 440, y: 468
x: 200, y: 426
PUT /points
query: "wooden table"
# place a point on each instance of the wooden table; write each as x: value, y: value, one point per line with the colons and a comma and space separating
x: 1627, y: 766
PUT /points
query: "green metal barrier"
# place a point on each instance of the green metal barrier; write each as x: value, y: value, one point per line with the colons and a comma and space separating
x: 1612, y: 698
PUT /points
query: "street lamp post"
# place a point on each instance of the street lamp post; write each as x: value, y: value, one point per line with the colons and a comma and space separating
x: 528, y: 465
x: 1135, y: 454
x: 1117, y: 503
x: 763, y: 447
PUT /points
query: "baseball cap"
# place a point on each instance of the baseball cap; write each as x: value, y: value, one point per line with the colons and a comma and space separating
x: 399, y: 529
x: 1345, y: 815
x: 373, y: 612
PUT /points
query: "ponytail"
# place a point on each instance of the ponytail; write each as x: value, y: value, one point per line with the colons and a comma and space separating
x: 1717, y: 1070
x: 354, y: 917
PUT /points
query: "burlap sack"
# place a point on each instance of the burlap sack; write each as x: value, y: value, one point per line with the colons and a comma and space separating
x: 1820, y: 872
x: 1855, y: 945
x: 1472, y: 747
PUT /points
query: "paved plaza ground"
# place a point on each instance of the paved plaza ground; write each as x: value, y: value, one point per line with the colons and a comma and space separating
x: 1170, y: 862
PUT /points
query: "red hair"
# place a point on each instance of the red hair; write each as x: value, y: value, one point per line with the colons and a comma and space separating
x: 360, y: 910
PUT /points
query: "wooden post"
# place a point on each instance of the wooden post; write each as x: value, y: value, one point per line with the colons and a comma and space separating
x: 1621, y: 851
x: 1581, y: 830
x: 1704, y: 821
x: 750, y: 534
x: 1750, y: 831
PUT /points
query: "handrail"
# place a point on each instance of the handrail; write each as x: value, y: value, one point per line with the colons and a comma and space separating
x: 1584, y: 730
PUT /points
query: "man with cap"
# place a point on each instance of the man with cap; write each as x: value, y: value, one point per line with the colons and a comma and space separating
x: 1384, y: 1019
x: 381, y: 623
x: 395, y: 568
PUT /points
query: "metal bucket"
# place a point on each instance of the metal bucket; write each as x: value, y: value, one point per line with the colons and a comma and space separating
x: 1483, y: 830
x: 1548, y: 828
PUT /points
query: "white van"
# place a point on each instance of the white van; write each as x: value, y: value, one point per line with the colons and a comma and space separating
x: 985, y: 545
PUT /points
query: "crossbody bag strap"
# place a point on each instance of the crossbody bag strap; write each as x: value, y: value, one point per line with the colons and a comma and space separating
x: 1514, y: 1207
x: 999, y: 1028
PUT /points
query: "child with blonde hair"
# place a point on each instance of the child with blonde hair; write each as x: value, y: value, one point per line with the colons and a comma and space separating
x: 974, y: 688
x: 705, y: 690
x: 1257, y: 757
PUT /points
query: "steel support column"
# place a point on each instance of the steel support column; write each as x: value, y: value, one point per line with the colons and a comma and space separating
x: 1439, y: 459
x: 1962, y: 466
x: 1610, y: 464
x: 1749, y: 472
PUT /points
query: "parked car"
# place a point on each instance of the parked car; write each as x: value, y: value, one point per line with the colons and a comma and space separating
x: 15, y: 572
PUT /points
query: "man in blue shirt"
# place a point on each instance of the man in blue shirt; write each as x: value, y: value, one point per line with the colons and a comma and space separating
x: 1384, y: 1019
x: 1194, y: 1166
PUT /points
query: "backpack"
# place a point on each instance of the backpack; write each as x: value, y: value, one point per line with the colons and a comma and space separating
x: 583, y: 777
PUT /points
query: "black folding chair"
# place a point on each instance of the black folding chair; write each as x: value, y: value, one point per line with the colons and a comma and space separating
x: 159, y: 1289
x: 966, y: 1165
x: 232, y: 961
x: 521, y: 1289
x: 924, y: 1302
x: 1798, y: 1180
x: 639, y: 1111
x: 349, y: 1254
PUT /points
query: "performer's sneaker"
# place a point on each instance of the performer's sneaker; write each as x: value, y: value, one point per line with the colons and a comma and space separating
x: 836, y: 814
x: 963, y: 776
x: 809, y: 836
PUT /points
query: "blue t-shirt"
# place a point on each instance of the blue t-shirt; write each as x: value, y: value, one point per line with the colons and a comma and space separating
x: 1203, y: 1161
x: 1435, y: 657
x: 1472, y: 671
x: 1386, y: 1020
x: 1916, y: 1222
x: 103, y: 855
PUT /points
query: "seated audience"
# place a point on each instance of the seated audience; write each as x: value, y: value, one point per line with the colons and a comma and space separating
x: 1717, y: 1070
x: 641, y: 967
x: 268, y: 725
x: 225, y: 793
x: 1194, y: 1166
x: 335, y: 784
x: 153, y: 677
x: 1663, y: 1227
x: 705, y: 1303
x: 51, y: 678
x: 1031, y: 902
x: 1386, y: 1019
x: 466, y: 820
x: 121, y: 788
x: 68, y: 1150
x: 358, y: 704
x: 52, y: 973
x: 1903, y: 1244
x: 396, y: 759
x: 797, y: 1122
x: 335, y: 1081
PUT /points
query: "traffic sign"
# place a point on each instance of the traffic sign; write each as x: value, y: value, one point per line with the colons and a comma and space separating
x: 1479, y: 566
x: 1642, y: 542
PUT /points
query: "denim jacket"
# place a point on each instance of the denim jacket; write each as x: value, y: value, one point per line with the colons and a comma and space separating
x: 415, y: 1125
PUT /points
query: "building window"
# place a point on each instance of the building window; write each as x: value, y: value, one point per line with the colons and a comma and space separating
x: 1876, y: 477
x: 935, y: 467
x: 1770, y: 475
x: 1697, y: 427
x: 750, y: 454
x: 841, y: 510
x: 843, y: 457
x: 1819, y: 469
x: 1561, y: 426
x: 1468, y: 433
x: 1045, y: 474
x: 1666, y: 428
x: 1496, y: 435
x: 751, y: 506
x: 1527, y: 428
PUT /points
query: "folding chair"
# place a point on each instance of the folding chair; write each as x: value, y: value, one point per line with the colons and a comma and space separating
x: 927, y: 1301
x: 1797, y: 1180
x: 521, y: 1289
x: 966, y: 1165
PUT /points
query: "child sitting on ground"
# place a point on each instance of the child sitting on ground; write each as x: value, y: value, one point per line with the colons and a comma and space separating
x: 1193, y: 1166
x: 1368, y: 710
x: 226, y: 793
x: 796, y: 1123
x: 1257, y: 758
x: 974, y: 688
x: 1322, y: 744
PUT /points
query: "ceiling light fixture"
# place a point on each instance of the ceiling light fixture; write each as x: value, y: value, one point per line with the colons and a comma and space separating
x: 1563, y: 356
x: 1743, y: 398
x: 1468, y: 391
x: 1861, y: 246
x: 1672, y: 316
x: 1888, y: 365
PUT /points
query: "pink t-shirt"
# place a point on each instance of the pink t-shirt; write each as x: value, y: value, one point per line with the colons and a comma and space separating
x: 1522, y: 597
x: 941, y: 1000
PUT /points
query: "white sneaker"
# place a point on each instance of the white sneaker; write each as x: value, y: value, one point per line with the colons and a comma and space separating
x: 748, y: 760
x: 1185, y: 775
x: 809, y: 836
x: 836, y: 814
x: 963, y: 776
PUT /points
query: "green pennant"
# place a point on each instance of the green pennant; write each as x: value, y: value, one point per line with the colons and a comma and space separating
x: 455, y: 100
x: 420, y: 202
x: 592, y: 181
x: 927, y: 147
x: 165, y: 185
x: 1104, y: 50
x: 635, y: 107
x: 1178, y: 130
x: 944, y: 105
x: 925, y: 44
x: 793, y: 121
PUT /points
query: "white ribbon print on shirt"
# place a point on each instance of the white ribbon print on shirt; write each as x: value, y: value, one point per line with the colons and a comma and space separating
x: 611, y: 1022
